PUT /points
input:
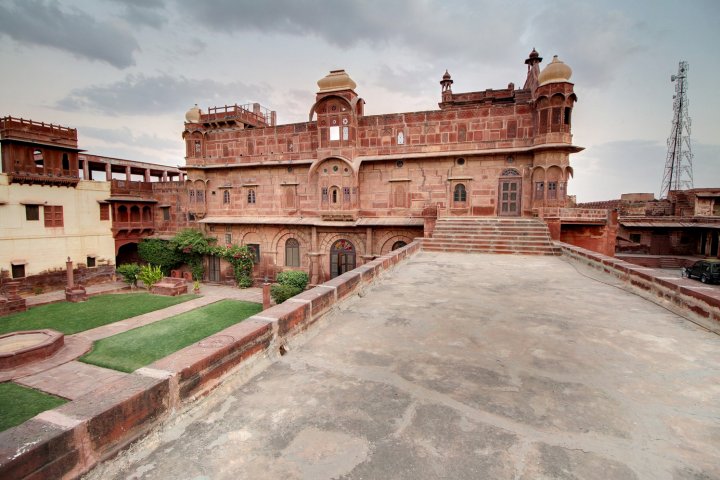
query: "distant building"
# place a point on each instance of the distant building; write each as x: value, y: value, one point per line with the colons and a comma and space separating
x: 686, y: 223
x: 53, y: 208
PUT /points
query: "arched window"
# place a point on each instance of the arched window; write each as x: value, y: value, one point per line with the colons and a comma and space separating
x: 251, y: 196
x: 401, y: 138
x: 398, y: 244
x: 226, y: 196
x: 292, y: 253
x: 334, y: 195
x: 65, y: 162
x: 460, y: 194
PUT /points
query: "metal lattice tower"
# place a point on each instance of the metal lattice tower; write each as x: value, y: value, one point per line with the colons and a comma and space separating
x: 678, y: 164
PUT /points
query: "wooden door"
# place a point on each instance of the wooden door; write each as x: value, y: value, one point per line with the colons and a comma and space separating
x: 509, y: 198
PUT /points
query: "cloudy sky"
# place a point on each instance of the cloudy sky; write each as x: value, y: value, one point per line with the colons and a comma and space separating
x: 123, y: 72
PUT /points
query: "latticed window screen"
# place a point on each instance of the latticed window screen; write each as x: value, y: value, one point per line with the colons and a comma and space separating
x: 460, y: 194
x: 53, y: 215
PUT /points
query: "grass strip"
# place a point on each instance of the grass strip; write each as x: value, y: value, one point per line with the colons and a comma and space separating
x: 69, y: 318
x: 141, y: 346
x: 18, y: 404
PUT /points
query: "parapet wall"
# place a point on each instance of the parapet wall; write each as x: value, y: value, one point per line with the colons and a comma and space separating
x: 701, y: 302
x: 68, y: 441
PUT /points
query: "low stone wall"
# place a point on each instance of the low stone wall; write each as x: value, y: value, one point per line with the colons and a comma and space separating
x: 57, y: 280
x: 68, y: 441
x: 701, y: 301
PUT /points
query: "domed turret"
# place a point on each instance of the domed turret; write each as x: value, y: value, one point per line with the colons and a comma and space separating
x: 555, y: 72
x: 335, y: 81
x: 193, y: 115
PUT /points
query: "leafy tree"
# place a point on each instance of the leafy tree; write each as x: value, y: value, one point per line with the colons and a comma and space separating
x: 160, y: 252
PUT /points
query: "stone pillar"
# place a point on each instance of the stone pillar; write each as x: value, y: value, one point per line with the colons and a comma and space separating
x: 266, y: 296
x: 86, y: 169
x: 108, y: 172
x: 128, y: 174
x: 70, y: 280
x: 73, y: 293
x: 147, y: 175
x: 165, y: 176
x: 369, y: 242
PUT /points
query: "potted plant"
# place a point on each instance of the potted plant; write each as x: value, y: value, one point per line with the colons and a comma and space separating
x: 196, y: 286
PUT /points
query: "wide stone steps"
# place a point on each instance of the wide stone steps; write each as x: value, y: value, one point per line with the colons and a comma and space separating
x: 491, y: 235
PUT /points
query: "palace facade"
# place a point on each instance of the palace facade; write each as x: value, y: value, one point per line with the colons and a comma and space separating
x: 328, y: 194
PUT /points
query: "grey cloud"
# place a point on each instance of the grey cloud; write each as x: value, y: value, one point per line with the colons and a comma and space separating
x: 466, y: 29
x: 606, y: 170
x: 125, y: 137
x: 409, y: 80
x: 44, y: 23
x: 143, y: 95
x: 147, y: 13
x: 592, y: 38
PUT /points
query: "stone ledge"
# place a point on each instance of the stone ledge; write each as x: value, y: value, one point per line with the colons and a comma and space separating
x: 102, y: 422
x: 700, y: 300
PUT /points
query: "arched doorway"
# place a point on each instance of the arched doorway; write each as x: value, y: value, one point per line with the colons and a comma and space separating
x: 342, y: 257
x: 127, y: 253
x: 398, y: 244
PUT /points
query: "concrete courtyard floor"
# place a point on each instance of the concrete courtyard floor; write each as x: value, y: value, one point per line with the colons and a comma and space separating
x: 463, y: 367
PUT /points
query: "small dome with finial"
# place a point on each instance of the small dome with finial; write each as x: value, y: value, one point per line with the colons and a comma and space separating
x: 193, y: 115
x: 335, y: 81
x: 555, y: 72
x: 446, y: 76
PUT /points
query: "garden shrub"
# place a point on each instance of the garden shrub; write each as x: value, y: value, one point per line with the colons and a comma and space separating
x: 129, y: 272
x: 290, y: 283
x: 296, y: 278
x: 150, y: 275
x: 281, y: 292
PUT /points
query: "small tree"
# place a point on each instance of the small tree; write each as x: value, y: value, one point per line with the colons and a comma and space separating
x: 129, y: 272
x: 150, y: 275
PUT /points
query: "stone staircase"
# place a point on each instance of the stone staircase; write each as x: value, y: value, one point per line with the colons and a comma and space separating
x: 525, y: 236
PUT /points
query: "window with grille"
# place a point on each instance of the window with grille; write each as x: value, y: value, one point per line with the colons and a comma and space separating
x: 251, y: 196
x: 552, y: 190
x: 255, y: 249
x: 53, y: 215
x: 292, y: 253
x: 32, y: 212
x: 324, y: 195
x: 228, y: 238
x: 346, y: 194
x: 166, y: 213
x: 539, y: 190
x: 226, y: 197
x: 460, y: 194
x: 104, y: 211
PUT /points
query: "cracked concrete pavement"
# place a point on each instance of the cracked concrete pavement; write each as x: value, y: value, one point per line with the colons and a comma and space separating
x: 463, y: 367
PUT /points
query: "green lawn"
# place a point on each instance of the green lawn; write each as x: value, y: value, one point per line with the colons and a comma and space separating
x: 141, y: 346
x: 18, y: 404
x: 69, y: 318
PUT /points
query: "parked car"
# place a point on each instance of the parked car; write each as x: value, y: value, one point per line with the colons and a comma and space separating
x: 707, y: 271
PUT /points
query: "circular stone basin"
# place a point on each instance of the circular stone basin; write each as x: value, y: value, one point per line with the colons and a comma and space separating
x: 19, y: 348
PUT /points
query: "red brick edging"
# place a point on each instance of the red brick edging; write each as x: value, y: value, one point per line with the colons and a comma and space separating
x: 701, y: 300
x: 69, y: 440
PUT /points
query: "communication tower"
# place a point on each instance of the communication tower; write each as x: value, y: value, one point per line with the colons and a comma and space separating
x: 678, y: 163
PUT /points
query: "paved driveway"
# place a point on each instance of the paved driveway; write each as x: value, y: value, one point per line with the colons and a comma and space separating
x: 464, y: 367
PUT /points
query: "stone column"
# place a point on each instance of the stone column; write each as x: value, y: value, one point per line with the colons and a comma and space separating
x: 128, y: 174
x: 266, y: 296
x: 369, y: 242
x: 108, y: 172
x: 70, y: 280
x: 147, y: 175
x: 86, y: 169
